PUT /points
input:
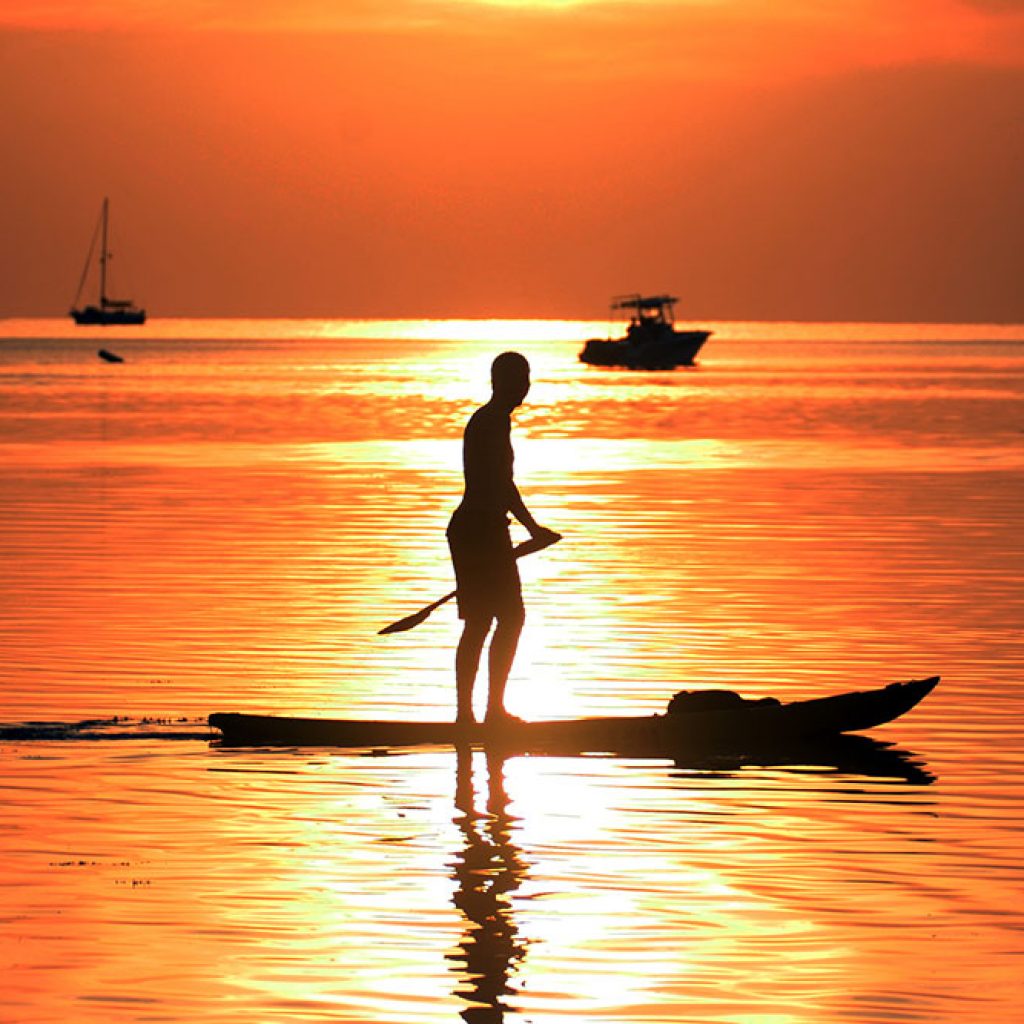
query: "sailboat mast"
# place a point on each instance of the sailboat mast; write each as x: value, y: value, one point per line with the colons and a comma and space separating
x: 108, y: 311
x: 103, y: 256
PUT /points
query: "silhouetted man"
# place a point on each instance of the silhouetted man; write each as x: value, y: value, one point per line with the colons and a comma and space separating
x: 485, y: 567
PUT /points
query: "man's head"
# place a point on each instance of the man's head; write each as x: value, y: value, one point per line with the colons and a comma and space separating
x: 510, y: 378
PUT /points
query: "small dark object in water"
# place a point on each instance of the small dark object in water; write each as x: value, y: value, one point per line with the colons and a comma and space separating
x: 109, y: 357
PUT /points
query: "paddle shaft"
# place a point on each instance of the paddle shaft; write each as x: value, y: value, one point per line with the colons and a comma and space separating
x: 528, y: 547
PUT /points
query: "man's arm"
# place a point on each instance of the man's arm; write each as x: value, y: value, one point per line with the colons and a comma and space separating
x: 517, y: 507
x: 488, y: 463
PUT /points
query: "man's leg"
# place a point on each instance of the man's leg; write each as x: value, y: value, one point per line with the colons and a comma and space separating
x: 500, y: 657
x: 467, y: 661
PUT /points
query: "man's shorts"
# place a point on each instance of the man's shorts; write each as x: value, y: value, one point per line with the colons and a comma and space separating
x: 486, y: 574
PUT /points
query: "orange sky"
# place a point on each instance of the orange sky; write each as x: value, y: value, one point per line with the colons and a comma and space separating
x: 856, y: 159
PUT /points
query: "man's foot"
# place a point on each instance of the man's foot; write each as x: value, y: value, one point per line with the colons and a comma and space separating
x: 501, y: 717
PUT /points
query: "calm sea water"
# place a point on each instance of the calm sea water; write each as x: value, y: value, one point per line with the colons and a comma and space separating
x: 225, y: 520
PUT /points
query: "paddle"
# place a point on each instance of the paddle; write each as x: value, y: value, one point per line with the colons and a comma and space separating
x: 528, y: 547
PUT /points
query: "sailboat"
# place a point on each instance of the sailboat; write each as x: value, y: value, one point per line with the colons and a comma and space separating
x: 108, y: 311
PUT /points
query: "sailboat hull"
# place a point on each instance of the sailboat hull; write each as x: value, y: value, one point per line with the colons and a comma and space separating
x: 103, y: 317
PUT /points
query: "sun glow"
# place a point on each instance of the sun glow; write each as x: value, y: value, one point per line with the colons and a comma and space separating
x: 556, y: 5
x: 717, y: 142
x: 501, y: 331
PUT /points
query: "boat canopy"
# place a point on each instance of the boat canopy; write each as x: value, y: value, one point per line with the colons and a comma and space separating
x: 647, y: 307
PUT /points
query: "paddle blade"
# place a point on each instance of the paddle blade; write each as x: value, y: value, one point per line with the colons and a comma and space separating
x: 409, y: 622
x: 412, y: 621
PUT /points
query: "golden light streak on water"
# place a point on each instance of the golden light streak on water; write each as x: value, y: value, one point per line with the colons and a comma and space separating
x: 222, y: 525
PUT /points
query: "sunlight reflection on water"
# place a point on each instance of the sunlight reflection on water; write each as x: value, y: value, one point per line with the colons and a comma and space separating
x: 558, y: 887
x: 226, y: 526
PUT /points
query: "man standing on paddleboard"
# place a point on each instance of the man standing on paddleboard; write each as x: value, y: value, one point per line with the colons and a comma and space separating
x: 486, y: 575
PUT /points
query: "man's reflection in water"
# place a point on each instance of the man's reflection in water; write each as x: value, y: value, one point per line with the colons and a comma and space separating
x: 487, y: 870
